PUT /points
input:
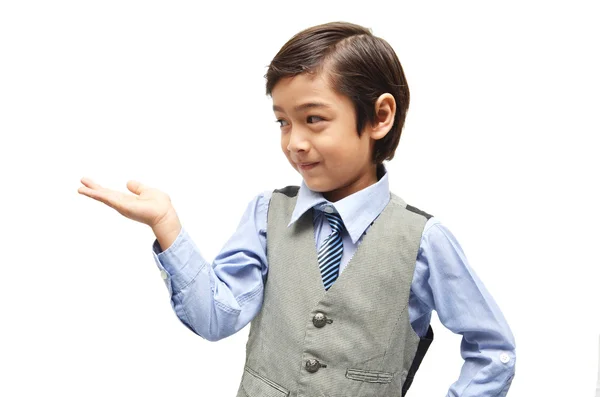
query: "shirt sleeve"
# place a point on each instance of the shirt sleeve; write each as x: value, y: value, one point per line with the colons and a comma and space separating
x: 444, y: 282
x: 215, y: 300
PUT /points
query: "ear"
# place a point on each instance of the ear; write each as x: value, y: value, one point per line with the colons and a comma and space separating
x: 385, y: 111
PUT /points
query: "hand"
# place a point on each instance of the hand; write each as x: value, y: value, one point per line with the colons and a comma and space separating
x: 148, y: 205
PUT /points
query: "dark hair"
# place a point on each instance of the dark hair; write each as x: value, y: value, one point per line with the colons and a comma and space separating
x: 358, y: 65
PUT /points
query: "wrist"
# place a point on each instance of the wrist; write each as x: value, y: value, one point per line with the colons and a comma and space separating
x: 167, y: 229
x: 168, y: 220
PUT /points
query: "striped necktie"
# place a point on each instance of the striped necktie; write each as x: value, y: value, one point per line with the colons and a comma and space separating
x: 330, y: 253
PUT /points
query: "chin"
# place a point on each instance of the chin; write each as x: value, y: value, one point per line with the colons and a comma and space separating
x: 318, y: 187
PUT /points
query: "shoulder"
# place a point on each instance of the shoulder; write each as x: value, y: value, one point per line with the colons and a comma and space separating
x: 418, y: 211
x: 438, y: 238
x: 399, y: 202
x: 259, y: 203
x: 263, y: 199
x: 289, y: 191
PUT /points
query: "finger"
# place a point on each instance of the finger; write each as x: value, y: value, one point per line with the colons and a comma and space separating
x: 86, y: 191
x: 90, y: 183
x: 136, y: 186
x: 98, y: 195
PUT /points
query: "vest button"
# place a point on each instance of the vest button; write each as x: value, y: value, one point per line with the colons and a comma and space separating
x: 319, y: 320
x: 312, y: 365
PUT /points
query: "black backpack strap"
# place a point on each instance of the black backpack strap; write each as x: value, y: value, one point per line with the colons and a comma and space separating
x: 426, y: 340
x: 290, y: 191
x: 424, y: 344
x: 418, y: 211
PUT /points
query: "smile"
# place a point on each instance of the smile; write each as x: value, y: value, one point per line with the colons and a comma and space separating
x: 307, y: 166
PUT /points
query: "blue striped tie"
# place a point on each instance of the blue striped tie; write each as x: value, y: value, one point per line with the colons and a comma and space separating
x: 330, y: 253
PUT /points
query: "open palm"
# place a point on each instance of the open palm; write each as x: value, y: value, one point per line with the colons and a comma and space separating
x: 147, y: 205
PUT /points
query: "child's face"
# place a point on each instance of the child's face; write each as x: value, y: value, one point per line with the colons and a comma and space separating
x: 318, y: 126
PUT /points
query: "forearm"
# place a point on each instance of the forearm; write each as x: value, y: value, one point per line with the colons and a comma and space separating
x: 445, y: 282
x: 201, y: 300
x: 213, y: 299
x: 213, y: 315
x: 486, y: 372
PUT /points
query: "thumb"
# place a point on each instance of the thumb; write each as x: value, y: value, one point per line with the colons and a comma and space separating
x: 135, y: 186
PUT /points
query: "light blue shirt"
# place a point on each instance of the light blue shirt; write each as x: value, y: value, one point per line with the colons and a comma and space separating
x: 216, y: 300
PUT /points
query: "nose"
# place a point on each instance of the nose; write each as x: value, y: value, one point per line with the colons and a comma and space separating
x: 297, y: 141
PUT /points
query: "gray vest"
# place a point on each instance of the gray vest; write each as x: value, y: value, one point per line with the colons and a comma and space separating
x: 354, y: 339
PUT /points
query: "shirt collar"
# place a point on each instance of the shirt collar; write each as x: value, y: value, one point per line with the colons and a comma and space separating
x: 357, y: 211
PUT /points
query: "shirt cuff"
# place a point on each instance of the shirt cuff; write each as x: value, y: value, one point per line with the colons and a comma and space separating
x: 180, y: 263
x: 508, y: 359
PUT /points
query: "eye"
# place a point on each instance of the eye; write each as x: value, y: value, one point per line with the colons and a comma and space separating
x: 316, y: 118
x: 281, y: 121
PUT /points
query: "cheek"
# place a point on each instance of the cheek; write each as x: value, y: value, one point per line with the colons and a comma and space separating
x: 340, y: 149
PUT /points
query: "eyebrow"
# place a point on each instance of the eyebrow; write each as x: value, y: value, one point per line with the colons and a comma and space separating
x: 304, y: 106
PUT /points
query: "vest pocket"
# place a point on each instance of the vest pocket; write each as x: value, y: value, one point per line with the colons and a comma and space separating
x: 368, y: 375
x: 256, y: 385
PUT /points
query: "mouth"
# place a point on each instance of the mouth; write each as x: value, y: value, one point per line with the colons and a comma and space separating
x: 307, y: 166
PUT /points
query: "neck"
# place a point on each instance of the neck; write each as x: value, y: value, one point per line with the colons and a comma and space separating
x: 361, y: 182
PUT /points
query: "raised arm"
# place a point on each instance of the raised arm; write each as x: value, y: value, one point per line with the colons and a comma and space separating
x: 217, y: 300
x: 213, y: 300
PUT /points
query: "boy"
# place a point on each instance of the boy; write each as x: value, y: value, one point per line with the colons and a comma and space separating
x: 340, y: 294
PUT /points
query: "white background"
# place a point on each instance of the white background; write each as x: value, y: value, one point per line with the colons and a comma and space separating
x: 500, y: 143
